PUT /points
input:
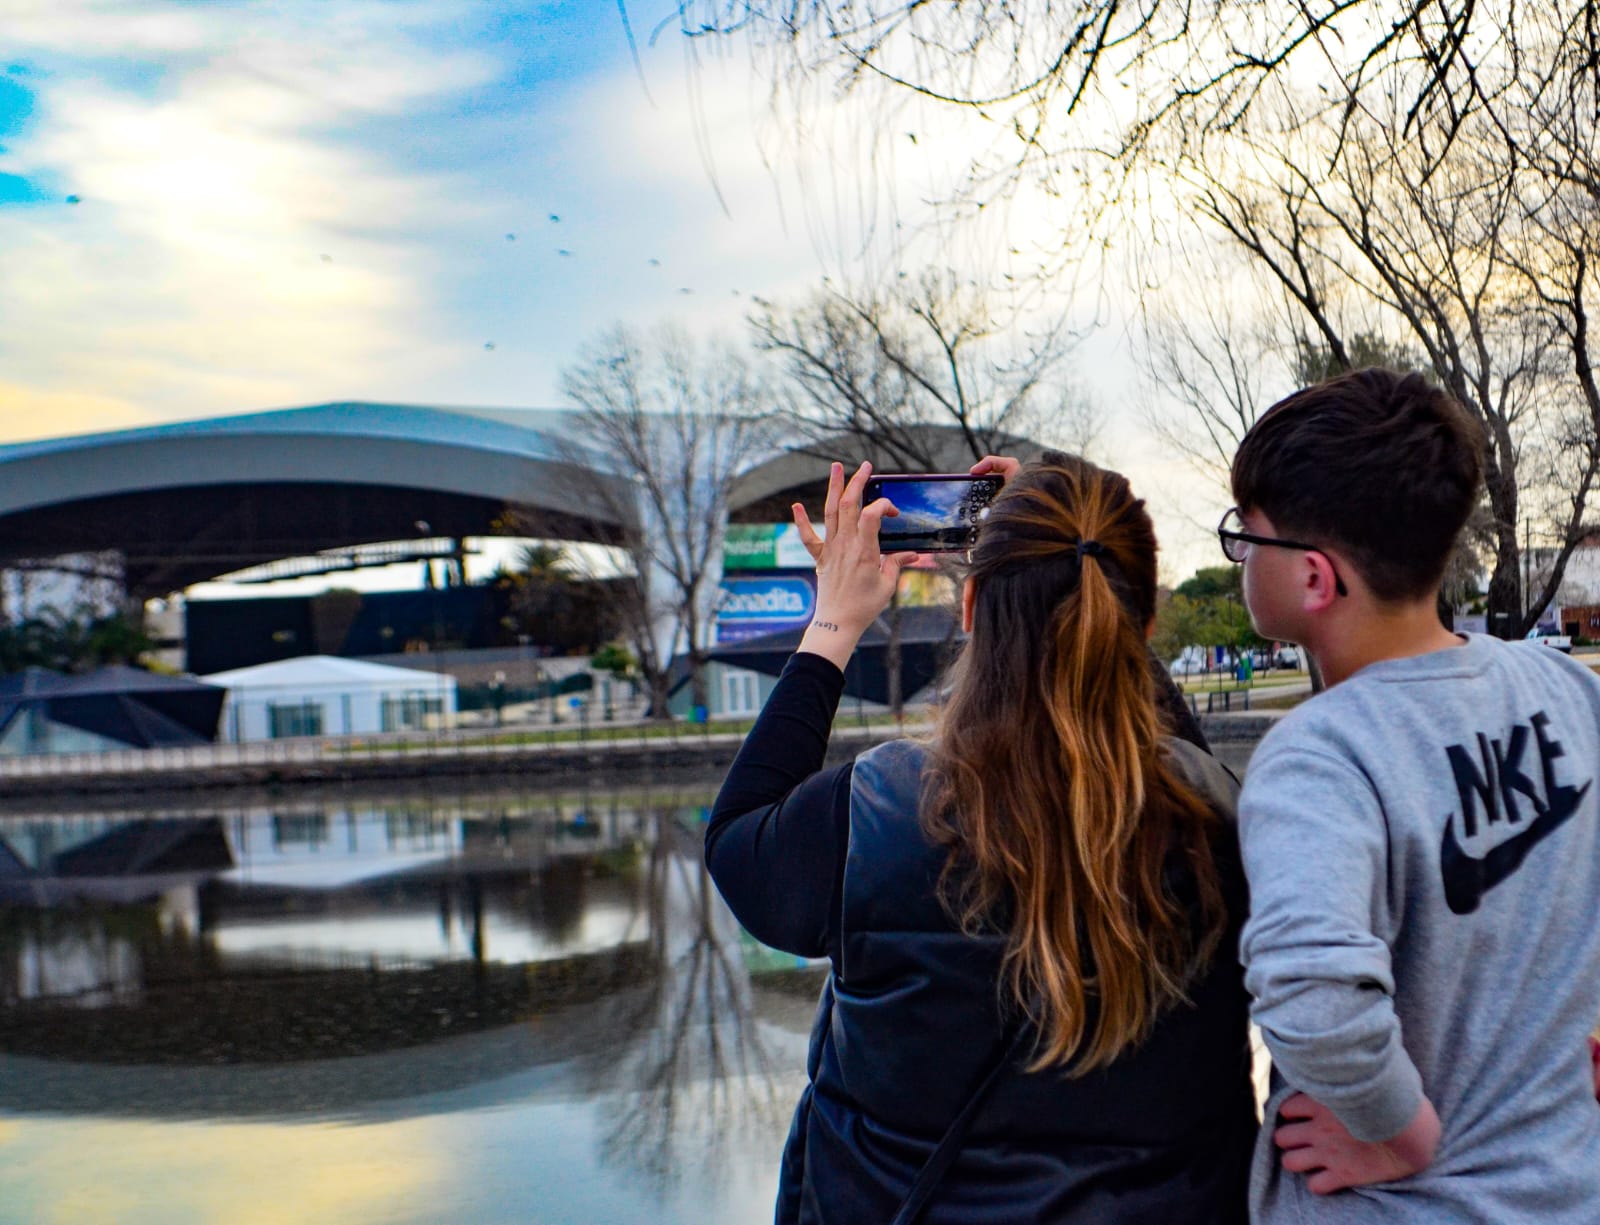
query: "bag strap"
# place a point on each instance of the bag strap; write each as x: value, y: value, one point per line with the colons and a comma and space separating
x: 932, y: 1174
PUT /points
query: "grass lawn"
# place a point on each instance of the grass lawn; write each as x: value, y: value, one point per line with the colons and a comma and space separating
x: 1225, y: 680
x: 1279, y: 701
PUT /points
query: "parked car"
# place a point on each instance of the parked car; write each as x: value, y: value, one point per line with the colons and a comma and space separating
x: 1263, y: 658
x: 1550, y: 636
x: 1193, y: 662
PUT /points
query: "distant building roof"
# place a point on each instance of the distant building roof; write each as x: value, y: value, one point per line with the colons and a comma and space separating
x: 320, y: 670
x: 193, y: 500
x: 127, y: 705
x: 545, y: 433
x: 112, y: 679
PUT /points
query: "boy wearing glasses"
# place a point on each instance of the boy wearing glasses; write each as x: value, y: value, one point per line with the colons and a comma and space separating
x: 1422, y: 841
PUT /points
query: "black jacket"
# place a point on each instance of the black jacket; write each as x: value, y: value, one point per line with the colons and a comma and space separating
x: 910, y: 1022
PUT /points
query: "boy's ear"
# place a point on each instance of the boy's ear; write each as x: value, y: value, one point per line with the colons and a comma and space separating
x: 1320, y: 589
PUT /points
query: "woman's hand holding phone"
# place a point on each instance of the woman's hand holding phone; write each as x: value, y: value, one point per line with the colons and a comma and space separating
x: 855, y: 581
x: 1003, y: 466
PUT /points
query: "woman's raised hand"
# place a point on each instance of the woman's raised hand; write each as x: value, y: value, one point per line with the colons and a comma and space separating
x: 1003, y: 466
x: 855, y: 580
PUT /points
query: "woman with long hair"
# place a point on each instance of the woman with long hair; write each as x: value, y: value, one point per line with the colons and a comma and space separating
x: 1035, y: 1011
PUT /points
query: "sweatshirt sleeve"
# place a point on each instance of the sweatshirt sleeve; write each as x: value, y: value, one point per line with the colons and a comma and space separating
x: 1315, y: 849
x: 779, y: 829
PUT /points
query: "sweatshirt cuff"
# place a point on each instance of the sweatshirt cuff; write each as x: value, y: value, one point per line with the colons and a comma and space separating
x: 1387, y: 1108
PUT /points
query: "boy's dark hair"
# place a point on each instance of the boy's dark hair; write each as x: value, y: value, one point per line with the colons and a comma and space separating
x: 1379, y: 465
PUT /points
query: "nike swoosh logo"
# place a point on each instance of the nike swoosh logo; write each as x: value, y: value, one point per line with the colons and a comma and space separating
x: 1468, y: 877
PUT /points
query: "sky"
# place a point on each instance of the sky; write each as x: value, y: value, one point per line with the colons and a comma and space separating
x: 225, y: 207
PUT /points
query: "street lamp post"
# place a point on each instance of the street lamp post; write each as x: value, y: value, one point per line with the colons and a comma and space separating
x: 527, y: 667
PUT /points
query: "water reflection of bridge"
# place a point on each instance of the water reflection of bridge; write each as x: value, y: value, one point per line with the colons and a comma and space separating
x: 487, y: 908
x: 316, y: 840
x: 380, y: 960
x: 498, y: 879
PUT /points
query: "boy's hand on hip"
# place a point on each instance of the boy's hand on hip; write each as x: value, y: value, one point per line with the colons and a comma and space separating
x: 1316, y: 1144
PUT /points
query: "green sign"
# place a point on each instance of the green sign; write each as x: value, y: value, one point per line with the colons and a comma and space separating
x: 763, y: 546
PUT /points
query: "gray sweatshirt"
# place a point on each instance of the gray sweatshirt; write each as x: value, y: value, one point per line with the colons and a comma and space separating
x: 1423, y: 848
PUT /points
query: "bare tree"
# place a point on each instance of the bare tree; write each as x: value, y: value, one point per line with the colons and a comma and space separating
x: 1434, y: 225
x: 928, y: 374
x: 1422, y: 170
x: 1129, y: 83
x: 1216, y: 361
x: 881, y: 366
x: 675, y: 423
x: 1212, y: 363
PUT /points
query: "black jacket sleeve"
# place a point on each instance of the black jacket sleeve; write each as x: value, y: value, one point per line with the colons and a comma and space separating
x: 780, y: 827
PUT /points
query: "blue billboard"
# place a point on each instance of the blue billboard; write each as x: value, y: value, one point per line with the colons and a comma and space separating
x: 750, y: 607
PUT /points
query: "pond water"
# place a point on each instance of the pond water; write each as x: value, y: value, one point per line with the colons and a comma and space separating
x: 495, y: 1007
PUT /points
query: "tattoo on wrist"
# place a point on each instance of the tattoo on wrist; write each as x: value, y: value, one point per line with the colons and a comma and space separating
x: 826, y: 625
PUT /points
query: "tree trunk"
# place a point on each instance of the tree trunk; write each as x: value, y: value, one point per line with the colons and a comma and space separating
x: 660, y: 697
x: 699, y: 694
x: 1505, y: 594
x: 892, y: 659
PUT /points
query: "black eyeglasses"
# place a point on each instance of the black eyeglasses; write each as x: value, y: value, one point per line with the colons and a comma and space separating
x: 1236, y: 545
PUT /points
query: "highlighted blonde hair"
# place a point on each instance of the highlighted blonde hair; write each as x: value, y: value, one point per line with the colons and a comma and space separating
x: 1067, y: 830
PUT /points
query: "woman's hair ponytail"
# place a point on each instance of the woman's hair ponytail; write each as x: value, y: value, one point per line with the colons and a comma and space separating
x: 1048, y: 783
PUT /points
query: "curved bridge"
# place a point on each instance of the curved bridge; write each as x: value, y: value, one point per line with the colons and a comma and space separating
x: 188, y: 502
x: 192, y: 501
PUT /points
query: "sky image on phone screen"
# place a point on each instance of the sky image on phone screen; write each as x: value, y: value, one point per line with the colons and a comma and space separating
x: 935, y: 515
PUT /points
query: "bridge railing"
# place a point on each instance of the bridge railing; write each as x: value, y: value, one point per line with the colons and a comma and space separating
x: 486, y: 740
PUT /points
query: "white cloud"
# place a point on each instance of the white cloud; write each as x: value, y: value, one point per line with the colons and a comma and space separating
x: 105, y: 27
x: 229, y: 252
x: 843, y: 187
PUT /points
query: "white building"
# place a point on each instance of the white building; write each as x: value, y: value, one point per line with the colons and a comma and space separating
x: 1580, y: 581
x: 322, y: 695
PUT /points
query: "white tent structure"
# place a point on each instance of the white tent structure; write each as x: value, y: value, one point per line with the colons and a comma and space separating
x: 323, y: 695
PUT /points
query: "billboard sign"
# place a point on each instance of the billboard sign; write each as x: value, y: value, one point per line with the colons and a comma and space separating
x: 750, y: 607
x: 764, y: 546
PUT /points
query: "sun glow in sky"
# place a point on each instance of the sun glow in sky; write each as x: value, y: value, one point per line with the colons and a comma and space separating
x: 217, y: 208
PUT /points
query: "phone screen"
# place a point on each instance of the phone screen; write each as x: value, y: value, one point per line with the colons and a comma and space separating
x: 938, y: 513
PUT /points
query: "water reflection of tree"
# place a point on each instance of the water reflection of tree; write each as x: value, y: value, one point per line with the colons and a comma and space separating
x: 83, y: 958
x: 690, y: 1070
x: 563, y: 896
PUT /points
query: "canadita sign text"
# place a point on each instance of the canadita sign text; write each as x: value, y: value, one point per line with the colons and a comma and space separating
x: 750, y: 606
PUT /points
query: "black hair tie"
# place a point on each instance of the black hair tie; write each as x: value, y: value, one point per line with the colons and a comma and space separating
x: 1089, y: 548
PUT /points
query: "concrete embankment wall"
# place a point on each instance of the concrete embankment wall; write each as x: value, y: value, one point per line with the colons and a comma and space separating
x: 534, y: 764
x: 1234, y: 737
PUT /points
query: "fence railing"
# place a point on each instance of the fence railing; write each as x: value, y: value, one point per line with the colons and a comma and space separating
x: 334, y: 751
x: 1219, y: 700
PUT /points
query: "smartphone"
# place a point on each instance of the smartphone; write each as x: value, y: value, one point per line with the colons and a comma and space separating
x: 939, y: 512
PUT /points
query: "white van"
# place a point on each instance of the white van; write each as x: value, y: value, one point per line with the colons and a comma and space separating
x: 1194, y: 661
